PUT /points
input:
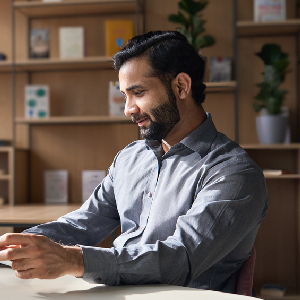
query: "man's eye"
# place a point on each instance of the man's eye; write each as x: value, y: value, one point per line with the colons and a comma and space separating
x: 138, y: 93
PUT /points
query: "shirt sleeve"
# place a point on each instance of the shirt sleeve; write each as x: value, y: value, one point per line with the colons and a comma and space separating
x: 88, y: 225
x: 230, y: 203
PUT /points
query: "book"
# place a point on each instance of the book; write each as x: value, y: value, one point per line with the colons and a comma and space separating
x: 56, y: 186
x: 219, y: 69
x: 117, y: 33
x: 71, y: 42
x: 37, y: 101
x: 269, y: 10
x: 116, y: 100
x: 275, y: 172
x: 90, y: 180
x: 39, y: 43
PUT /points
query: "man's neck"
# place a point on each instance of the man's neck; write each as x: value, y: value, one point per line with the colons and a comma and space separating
x: 183, y: 128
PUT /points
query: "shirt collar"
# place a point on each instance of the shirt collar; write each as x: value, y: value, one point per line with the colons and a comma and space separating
x: 199, y: 140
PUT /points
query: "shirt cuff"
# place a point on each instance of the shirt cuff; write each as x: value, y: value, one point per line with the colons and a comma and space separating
x: 100, y: 265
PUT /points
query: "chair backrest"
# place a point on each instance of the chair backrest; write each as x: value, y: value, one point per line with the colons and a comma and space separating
x: 245, y: 277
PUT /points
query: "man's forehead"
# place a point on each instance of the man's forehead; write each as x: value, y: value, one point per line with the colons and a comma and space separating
x: 136, y: 72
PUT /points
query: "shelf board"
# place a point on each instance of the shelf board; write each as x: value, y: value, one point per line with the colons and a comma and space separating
x: 6, y: 149
x: 73, y: 7
x: 33, y: 214
x: 251, y: 28
x: 223, y: 86
x: 284, y: 176
x: 5, y: 177
x: 271, y: 146
x: 74, y: 120
x: 5, y: 66
x: 92, y: 62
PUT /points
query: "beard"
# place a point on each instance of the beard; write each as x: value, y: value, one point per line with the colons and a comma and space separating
x: 166, y: 116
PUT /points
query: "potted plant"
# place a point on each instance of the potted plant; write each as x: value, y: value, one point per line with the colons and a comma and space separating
x: 192, y: 23
x: 271, y: 124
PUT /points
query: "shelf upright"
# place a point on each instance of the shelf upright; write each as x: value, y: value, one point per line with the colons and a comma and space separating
x: 235, y: 55
x: 13, y: 70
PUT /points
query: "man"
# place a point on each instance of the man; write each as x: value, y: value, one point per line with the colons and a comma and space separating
x: 188, y: 199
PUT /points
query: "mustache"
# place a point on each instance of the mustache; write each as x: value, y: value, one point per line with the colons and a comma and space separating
x: 137, y: 118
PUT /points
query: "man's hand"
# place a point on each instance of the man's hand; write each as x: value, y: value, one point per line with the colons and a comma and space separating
x: 36, y: 256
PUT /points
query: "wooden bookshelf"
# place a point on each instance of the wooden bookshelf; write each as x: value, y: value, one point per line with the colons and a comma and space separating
x: 251, y: 28
x: 101, y: 62
x: 72, y: 8
x: 5, y: 66
x: 271, y: 146
x: 74, y: 120
x: 6, y: 178
x: 22, y: 215
x: 224, y: 86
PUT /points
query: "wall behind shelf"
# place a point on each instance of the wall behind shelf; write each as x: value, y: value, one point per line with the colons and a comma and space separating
x: 75, y: 148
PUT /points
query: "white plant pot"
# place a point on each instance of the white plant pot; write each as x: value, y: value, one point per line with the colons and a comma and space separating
x: 271, y: 129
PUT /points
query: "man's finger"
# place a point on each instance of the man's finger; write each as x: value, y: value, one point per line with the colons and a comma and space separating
x: 26, y: 274
x: 23, y: 264
x: 12, y: 253
x: 14, y: 239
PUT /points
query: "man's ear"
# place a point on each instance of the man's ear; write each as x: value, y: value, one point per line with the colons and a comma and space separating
x: 183, y: 85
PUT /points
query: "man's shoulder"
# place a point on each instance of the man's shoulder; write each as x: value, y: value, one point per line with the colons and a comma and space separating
x: 138, y: 145
x: 133, y: 149
x: 226, y: 151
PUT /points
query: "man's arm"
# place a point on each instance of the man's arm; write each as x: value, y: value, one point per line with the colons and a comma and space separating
x: 49, y: 251
x: 221, y: 225
x: 36, y: 256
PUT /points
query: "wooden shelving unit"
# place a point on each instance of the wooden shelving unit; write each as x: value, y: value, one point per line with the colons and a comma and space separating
x: 278, y: 239
x: 102, y: 62
x: 251, y: 28
x: 78, y: 93
x: 6, y: 174
x: 75, y: 120
x: 35, y: 9
x: 80, y: 134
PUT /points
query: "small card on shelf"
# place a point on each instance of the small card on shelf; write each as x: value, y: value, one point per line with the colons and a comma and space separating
x: 39, y: 43
x: 220, y: 69
x: 117, y: 33
x: 116, y: 100
x: 269, y: 10
x: 71, y: 42
x: 36, y: 101
x: 56, y: 186
x: 90, y: 180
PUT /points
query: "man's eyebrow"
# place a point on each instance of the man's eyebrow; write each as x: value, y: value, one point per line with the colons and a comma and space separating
x: 133, y: 87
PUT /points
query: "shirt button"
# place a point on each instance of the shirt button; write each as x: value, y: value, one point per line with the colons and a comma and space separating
x: 149, y: 195
x: 98, y: 280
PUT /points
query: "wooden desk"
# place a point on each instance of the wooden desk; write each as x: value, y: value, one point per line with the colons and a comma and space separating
x: 31, y: 215
x: 71, y: 288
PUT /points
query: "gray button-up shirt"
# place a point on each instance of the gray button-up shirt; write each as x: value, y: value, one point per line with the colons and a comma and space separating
x: 188, y: 217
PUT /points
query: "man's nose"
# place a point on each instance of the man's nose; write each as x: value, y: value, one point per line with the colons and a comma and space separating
x: 130, y: 108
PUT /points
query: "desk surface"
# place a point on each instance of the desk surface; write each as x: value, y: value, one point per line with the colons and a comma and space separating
x: 32, y: 214
x: 71, y: 288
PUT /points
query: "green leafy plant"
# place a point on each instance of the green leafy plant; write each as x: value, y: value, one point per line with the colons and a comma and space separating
x: 270, y: 96
x: 192, y: 23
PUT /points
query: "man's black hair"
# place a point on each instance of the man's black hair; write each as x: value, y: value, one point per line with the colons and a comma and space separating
x: 169, y: 54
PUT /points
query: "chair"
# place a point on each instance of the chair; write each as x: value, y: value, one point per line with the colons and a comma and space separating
x: 245, y: 276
